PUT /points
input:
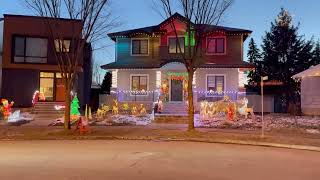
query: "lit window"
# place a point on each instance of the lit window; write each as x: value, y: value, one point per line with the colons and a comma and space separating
x: 174, y: 46
x: 216, y: 45
x: 215, y: 85
x: 140, y: 47
x: 139, y: 83
x: 62, y: 45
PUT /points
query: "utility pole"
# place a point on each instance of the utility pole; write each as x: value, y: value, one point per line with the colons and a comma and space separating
x: 263, y: 78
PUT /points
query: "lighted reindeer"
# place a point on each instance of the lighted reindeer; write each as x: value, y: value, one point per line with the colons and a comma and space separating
x: 244, y: 110
x: 115, y: 108
x: 143, y: 110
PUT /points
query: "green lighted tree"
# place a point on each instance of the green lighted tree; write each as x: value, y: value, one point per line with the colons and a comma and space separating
x: 75, y: 106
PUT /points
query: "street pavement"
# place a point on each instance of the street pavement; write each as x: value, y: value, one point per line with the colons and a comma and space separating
x: 152, y: 160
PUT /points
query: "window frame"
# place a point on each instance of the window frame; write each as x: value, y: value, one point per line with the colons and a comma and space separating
x: 139, y: 75
x: 224, y: 45
x: 224, y: 84
x: 13, y: 45
x: 55, y: 48
x: 177, y: 47
x: 139, y: 39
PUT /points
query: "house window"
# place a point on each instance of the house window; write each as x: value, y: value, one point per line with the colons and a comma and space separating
x: 139, y: 83
x: 174, y: 46
x: 140, y: 47
x: 215, y: 85
x: 30, y: 50
x: 62, y: 45
x: 216, y: 45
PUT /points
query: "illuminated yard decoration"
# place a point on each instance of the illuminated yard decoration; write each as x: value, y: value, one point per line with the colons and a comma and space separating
x: 74, y: 112
x: 244, y: 110
x: 115, y: 107
x: 225, y: 107
x: 125, y: 107
x: 6, y: 108
x: 103, y: 111
x: 143, y: 110
x: 134, y: 110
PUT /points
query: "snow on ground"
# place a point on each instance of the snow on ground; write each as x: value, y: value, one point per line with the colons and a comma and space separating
x: 272, y: 121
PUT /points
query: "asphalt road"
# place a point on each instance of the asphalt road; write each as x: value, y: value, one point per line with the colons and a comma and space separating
x: 143, y: 160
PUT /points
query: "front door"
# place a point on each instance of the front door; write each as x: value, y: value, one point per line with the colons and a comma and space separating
x: 60, y: 95
x: 176, y: 90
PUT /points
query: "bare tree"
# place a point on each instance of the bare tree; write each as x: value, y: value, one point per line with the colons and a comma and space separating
x: 199, y: 15
x: 90, y: 21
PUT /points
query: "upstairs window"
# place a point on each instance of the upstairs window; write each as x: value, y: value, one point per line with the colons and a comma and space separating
x: 140, y: 47
x: 215, y: 85
x: 30, y: 50
x: 174, y: 46
x: 216, y: 45
x: 139, y: 83
x: 62, y: 45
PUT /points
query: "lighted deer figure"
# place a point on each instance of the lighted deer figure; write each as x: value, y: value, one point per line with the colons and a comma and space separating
x: 115, y: 108
x: 143, y: 110
x: 244, y: 110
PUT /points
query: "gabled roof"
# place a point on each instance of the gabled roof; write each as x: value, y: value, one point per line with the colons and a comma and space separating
x: 312, y: 71
x: 156, y: 28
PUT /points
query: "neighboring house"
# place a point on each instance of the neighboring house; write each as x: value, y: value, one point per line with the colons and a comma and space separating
x: 29, y: 63
x: 147, y: 65
x: 310, y: 94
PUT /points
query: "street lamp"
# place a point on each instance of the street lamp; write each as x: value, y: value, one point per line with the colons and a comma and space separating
x: 263, y: 78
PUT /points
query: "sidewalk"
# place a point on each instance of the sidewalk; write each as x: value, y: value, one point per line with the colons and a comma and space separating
x: 166, y: 132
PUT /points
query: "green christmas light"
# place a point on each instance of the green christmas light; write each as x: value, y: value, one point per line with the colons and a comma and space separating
x: 75, y: 106
x: 192, y: 39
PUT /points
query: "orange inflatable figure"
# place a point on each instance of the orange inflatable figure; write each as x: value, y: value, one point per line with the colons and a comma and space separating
x: 6, y: 107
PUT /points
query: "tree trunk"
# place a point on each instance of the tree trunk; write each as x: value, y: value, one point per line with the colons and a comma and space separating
x: 190, y: 101
x: 67, y: 123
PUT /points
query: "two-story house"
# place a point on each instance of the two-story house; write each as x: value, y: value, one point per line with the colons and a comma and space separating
x: 29, y: 63
x: 147, y: 66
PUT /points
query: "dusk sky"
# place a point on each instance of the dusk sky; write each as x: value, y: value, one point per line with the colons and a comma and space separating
x: 255, y: 15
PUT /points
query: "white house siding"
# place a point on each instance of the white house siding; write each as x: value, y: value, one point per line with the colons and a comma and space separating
x: 310, y: 95
x: 124, y: 82
x: 231, y: 77
x: 231, y: 81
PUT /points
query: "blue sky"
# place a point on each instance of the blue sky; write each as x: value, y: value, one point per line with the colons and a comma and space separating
x: 255, y: 15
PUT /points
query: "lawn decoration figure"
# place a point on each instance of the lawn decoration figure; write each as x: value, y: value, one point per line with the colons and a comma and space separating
x: 244, y: 110
x: 143, y: 110
x: 134, y: 110
x: 231, y: 111
x: 223, y: 107
x: 102, y: 112
x: 83, y: 125
x: 74, y: 110
x: 125, y: 107
x: 115, y: 108
x: 6, y: 108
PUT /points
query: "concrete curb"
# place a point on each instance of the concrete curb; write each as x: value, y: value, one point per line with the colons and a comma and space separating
x: 236, y: 142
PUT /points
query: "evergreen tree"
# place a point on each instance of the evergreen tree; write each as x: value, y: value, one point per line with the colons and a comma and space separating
x: 75, y: 106
x: 253, y: 52
x: 106, y: 83
x: 254, y: 57
x: 316, y: 54
x: 284, y: 54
